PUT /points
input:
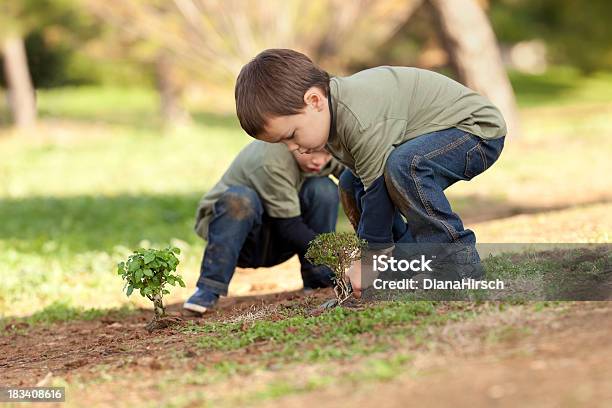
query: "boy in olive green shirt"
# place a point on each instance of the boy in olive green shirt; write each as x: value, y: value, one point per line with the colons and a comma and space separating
x: 267, y: 207
x: 406, y: 134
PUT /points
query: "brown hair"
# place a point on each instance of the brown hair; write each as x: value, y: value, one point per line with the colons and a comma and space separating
x: 273, y: 84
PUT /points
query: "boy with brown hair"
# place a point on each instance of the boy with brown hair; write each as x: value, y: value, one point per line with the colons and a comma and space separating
x: 405, y: 133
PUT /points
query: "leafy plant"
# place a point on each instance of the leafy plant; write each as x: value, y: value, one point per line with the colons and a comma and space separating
x: 148, y: 271
x: 337, y: 250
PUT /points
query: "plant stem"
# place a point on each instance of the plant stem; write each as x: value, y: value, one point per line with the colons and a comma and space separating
x: 158, y: 305
x: 341, y: 288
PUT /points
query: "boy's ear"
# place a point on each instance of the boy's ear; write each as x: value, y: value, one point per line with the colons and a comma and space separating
x: 314, y: 98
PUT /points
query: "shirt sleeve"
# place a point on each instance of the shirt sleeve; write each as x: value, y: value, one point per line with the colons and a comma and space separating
x: 294, y: 232
x: 277, y: 190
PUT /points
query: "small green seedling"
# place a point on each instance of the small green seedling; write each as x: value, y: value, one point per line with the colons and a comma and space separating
x: 337, y: 250
x: 148, y: 271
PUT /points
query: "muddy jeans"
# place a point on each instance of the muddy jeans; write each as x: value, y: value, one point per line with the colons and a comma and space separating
x: 248, y: 241
x: 418, y: 171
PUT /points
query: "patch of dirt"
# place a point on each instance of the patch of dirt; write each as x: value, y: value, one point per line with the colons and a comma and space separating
x: 78, y: 347
x: 590, y: 223
x: 284, y: 277
x: 478, y: 209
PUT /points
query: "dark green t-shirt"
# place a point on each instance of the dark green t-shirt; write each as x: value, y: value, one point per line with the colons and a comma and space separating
x: 380, y: 108
x: 270, y: 170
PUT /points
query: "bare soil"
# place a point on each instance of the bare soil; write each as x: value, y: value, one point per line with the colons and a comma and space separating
x: 511, y: 358
x: 562, y: 361
x: 27, y: 354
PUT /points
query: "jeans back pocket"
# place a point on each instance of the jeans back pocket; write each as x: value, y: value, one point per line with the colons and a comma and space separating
x: 475, y: 161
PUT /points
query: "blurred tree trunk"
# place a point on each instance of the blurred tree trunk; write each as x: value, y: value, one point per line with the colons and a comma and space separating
x: 474, y: 53
x: 170, y: 91
x: 20, y: 90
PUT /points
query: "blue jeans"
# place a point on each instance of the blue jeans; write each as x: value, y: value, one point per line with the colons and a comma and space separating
x: 418, y: 171
x: 239, y: 233
x: 416, y: 174
x: 351, y: 191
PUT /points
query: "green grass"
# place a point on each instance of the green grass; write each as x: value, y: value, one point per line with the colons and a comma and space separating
x: 336, y: 334
x: 341, y: 346
x: 131, y: 106
x: 561, y: 86
x: 374, y: 340
x: 100, y: 177
x: 371, y: 369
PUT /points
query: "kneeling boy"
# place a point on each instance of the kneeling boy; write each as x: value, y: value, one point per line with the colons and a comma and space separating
x: 266, y: 208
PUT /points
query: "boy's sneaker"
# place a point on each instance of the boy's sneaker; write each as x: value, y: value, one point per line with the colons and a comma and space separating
x: 317, y: 277
x: 201, y: 301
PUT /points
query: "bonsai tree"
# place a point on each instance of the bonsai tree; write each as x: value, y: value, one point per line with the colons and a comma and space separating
x: 148, y: 271
x: 337, y: 250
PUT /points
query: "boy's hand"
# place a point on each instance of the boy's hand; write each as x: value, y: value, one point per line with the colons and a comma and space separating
x: 361, y: 277
x: 354, y: 276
